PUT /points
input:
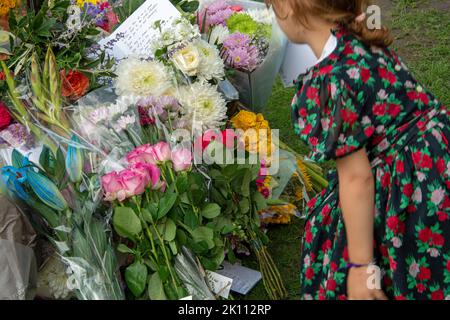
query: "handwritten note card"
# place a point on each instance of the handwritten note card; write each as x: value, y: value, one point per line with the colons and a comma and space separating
x: 244, y: 279
x: 219, y: 284
x: 134, y: 36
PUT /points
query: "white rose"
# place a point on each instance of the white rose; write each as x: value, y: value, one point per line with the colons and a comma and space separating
x: 187, y: 60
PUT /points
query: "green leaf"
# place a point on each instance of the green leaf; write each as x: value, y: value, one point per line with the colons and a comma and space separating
x: 204, y: 234
x: 155, y: 288
x: 182, y: 184
x: 190, y: 219
x: 136, y: 278
x: 173, y: 247
x: 244, y: 205
x: 47, y: 160
x: 189, y: 6
x: 166, y: 203
x: 126, y: 223
x: 211, y: 211
x: 170, y: 231
x: 17, y: 159
x: 60, y: 167
x: 124, y: 249
x: 147, y: 216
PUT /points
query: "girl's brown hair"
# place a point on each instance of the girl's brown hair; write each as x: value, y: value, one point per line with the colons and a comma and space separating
x: 344, y: 12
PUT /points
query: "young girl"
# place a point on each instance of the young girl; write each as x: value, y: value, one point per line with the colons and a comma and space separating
x: 386, y: 213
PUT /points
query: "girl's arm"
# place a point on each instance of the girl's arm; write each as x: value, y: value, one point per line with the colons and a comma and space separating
x: 357, y: 199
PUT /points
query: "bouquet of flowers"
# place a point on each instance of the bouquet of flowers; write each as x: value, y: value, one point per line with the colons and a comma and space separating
x: 250, y: 44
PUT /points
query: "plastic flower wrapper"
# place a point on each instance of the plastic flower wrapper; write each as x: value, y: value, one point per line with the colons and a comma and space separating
x: 251, y: 45
x: 192, y: 275
x: 63, y: 196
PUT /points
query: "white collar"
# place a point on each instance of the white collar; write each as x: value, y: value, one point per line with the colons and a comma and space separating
x: 329, y: 47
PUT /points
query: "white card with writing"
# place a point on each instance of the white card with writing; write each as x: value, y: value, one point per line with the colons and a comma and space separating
x: 219, y: 284
x: 134, y: 36
x: 244, y: 279
x: 298, y: 58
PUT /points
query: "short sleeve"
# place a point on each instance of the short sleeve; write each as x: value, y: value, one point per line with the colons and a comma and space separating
x: 331, y: 118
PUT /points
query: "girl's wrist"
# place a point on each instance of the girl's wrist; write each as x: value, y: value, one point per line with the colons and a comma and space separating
x: 352, y: 264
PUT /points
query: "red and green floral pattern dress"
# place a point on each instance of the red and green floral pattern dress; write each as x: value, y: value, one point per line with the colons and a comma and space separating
x: 362, y: 96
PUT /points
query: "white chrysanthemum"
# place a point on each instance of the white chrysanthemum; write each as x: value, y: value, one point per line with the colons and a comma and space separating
x: 174, y: 31
x: 53, y: 277
x: 142, y: 78
x: 218, y: 34
x: 261, y: 15
x: 211, y: 65
x: 203, y: 106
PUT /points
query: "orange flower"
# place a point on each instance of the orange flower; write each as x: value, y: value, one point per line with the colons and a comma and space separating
x: 74, y: 84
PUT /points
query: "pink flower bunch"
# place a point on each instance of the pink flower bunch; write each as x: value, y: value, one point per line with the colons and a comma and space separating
x: 131, y: 181
x: 143, y: 170
x: 239, y: 53
x: 216, y: 13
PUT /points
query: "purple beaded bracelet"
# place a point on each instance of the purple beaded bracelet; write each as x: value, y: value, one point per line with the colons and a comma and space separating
x: 357, y: 265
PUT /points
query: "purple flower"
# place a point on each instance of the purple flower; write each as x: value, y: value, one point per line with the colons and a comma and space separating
x: 17, y: 135
x: 218, y: 6
x: 244, y: 58
x: 237, y: 40
x: 152, y: 108
x: 220, y: 17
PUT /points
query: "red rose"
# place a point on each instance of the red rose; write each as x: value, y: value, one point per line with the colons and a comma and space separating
x: 448, y: 265
x: 365, y: 74
x: 386, y: 180
x: 2, y: 76
x: 379, y: 109
x: 391, y: 78
x: 437, y: 295
x: 411, y: 208
x: 311, y: 203
x: 313, y: 141
x: 311, y: 93
x: 309, y: 274
x: 308, y: 236
x: 74, y: 84
x: 392, y: 264
x: 303, y: 112
x: 427, y: 162
x: 440, y: 165
x: 417, y: 157
x: 393, y: 109
x: 326, y: 245
x: 383, y: 73
x: 437, y: 239
x: 331, y: 285
x: 5, y: 117
x: 400, y: 297
x: 368, y: 132
x: 392, y: 222
x: 345, y: 254
x: 424, y: 274
x: 442, y: 216
x: 420, y: 287
x: 349, y: 116
x: 424, y: 98
x: 408, y: 189
x: 425, y: 234
x: 325, y: 70
x: 412, y: 95
x: 307, y: 129
x: 342, y: 297
x: 348, y: 49
x: 400, y: 166
x: 334, y: 267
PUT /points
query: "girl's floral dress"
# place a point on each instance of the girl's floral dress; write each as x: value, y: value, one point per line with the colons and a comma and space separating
x: 362, y: 96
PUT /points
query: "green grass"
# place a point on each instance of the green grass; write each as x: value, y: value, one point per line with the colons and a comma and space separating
x: 423, y: 41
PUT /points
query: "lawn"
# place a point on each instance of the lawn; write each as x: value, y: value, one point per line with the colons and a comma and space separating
x: 422, y: 31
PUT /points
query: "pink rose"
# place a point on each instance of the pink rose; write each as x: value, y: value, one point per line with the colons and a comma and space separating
x: 143, y: 153
x: 161, y: 151
x: 151, y: 173
x: 181, y: 159
x: 112, y: 186
x: 134, y: 182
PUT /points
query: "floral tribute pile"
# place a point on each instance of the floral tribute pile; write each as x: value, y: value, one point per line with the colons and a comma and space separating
x: 129, y: 168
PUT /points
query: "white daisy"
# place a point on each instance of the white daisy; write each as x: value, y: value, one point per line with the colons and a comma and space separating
x: 142, y: 78
x: 203, y: 106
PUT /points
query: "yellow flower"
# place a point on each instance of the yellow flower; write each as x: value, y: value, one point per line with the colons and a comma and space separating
x: 298, y: 194
x: 81, y: 3
x: 244, y: 120
x: 6, y: 6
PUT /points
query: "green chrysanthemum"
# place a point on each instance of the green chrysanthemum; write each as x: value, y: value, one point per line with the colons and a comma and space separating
x: 243, y: 23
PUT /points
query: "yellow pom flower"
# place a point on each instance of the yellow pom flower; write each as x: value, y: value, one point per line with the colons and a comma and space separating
x: 244, y: 120
x: 81, y: 3
x: 6, y: 6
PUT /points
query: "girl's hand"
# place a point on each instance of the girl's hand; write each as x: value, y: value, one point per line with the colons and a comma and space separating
x: 357, y: 286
